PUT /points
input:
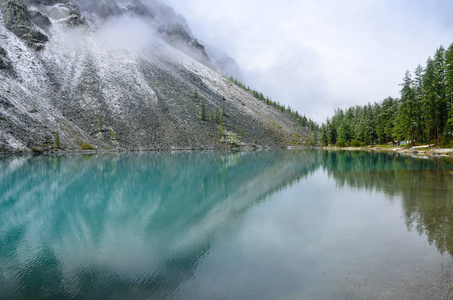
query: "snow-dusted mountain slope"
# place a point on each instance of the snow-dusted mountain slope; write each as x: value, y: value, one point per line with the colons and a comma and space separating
x: 119, y: 75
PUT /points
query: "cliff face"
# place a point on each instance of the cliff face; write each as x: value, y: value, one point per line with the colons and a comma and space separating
x: 120, y: 75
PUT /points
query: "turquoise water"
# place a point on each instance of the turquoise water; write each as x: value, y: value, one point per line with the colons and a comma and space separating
x: 222, y: 225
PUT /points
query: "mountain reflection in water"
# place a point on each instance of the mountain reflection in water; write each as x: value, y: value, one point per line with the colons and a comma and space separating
x: 203, y: 225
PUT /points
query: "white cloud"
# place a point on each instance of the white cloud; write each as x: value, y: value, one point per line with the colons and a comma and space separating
x: 320, y: 55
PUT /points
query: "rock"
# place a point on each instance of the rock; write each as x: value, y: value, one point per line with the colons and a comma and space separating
x: 40, y: 19
x: 4, y: 62
x: 74, y: 16
x: 137, y: 8
x: 16, y: 18
x: 177, y: 35
x: 415, y: 152
x: 43, y: 2
x: 103, y: 8
x: 2, y: 58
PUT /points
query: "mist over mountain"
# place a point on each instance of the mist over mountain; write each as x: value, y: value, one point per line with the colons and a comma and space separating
x: 122, y: 74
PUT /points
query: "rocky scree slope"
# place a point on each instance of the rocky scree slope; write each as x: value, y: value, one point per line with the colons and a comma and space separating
x: 120, y: 75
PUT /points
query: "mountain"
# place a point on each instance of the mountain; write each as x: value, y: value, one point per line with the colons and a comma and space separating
x: 124, y: 75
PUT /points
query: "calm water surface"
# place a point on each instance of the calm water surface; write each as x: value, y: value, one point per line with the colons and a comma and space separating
x: 216, y: 225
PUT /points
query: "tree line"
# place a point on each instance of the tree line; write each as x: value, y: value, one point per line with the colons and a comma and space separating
x: 422, y: 114
x: 302, y: 119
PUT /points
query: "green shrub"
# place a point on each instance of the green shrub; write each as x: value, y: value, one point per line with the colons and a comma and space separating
x: 100, y: 123
x: 36, y: 150
x: 356, y: 143
x: 222, y: 130
x: 56, y: 141
x: 86, y: 146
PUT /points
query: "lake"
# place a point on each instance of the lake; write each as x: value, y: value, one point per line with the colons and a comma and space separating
x: 226, y: 225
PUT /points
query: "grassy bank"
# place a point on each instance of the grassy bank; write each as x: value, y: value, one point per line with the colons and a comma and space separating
x: 420, y: 151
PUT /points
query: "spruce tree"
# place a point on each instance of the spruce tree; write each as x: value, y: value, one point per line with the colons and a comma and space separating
x: 418, y: 98
x: 222, y: 130
x: 389, y: 107
x: 203, y: 111
x: 449, y: 88
x: 440, y: 99
x: 429, y: 97
x: 323, y: 138
x: 424, y: 113
x: 57, y: 140
x: 406, y: 114
x: 343, y: 134
x: 371, y: 130
x: 379, y: 123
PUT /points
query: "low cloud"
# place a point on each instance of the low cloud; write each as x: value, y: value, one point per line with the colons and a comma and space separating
x: 320, y: 55
x: 130, y: 33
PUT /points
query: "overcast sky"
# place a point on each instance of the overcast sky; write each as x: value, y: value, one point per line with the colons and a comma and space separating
x: 317, y: 55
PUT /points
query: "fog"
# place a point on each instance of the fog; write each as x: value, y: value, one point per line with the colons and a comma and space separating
x: 320, y: 55
x: 117, y: 32
x: 128, y: 33
x: 315, y: 56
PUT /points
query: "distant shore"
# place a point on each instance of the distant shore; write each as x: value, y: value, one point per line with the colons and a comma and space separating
x: 418, y: 151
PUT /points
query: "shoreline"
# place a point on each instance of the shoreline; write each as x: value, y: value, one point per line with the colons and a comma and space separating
x: 418, y: 151
x: 159, y: 150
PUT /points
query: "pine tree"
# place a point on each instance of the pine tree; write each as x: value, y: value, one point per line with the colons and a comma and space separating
x: 449, y: 88
x: 389, y: 108
x: 440, y: 99
x: 418, y: 98
x: 429, y: 97
x: 343, y: 137
x: 371, y: 129
x: 406, y: 113
x: 424, y: 113
x: 323, y: 138
x: 57, y: 140
x: 379, y: 123
x: 222, y: 130
x: 203, y: 111
x: 401, y: 128
x: 362, y: 126
x: 331, y: 133
x: 100, y: 123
